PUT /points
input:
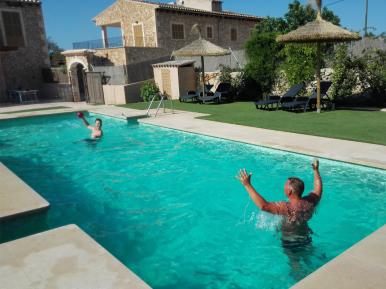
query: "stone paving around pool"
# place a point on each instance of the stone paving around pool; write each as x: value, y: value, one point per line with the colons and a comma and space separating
x: 341, y: 150
x: 68, y: 258
x: 16, y: 197
x: 63, y: 258
x: 361, y: 266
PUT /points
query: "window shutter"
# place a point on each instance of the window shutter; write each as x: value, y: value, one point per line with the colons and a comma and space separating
x: 138, y: 35
x: 178, y: 31
x: 233, y: 34
x: 13, y: 29
x: 209, y: 32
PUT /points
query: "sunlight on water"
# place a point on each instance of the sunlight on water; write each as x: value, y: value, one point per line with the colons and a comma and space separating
x: 168, y: 206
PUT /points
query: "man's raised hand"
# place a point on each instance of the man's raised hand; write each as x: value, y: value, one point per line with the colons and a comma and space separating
x: 315, y: 165
x: 244, y: 177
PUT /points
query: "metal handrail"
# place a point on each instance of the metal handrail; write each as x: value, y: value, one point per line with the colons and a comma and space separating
x: 151, y: 103
x: 162, y: 102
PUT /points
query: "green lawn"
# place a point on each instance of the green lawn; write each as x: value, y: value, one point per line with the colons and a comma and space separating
x: 364, y: 126
x: 34, y: 109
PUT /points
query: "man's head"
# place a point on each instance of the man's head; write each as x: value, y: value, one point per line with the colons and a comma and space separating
x: 98, y: 123
x: 294, y: 187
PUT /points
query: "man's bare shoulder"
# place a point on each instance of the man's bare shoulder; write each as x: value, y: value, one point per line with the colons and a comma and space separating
x: 312, y: 198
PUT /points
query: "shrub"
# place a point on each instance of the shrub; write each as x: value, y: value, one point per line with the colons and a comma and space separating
x: 235, y: 77
x: 366, y: 74
x: 345, y: 75
x: 300, y: 63
x: 148, y: 90
x: 374, y: 76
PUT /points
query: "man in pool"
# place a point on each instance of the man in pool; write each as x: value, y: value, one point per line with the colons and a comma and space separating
x: 298, y: 208
x: 96, y: 131
x: 297, y: 211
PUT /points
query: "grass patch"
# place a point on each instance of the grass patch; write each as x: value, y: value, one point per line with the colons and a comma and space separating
x: 33, y: 109
x: 363, y: 126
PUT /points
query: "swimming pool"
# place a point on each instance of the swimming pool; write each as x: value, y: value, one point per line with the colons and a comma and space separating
x: 167, y: 205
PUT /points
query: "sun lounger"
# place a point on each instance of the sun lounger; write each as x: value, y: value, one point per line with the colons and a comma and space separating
x: 190, y: 96
x: 193, y: 96
x: 274, y: 101
x: 309, y: 103
x: 221, y: 94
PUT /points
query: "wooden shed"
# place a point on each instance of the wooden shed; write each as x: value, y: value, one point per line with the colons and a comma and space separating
x: 175, y: 78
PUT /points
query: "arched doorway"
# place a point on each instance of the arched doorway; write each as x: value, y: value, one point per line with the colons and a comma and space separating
x: 78, y: 81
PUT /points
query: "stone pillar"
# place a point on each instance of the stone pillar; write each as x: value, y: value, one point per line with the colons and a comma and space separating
x: 105, y: 37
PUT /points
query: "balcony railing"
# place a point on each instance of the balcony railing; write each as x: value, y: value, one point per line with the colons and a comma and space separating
x: 113, y: 42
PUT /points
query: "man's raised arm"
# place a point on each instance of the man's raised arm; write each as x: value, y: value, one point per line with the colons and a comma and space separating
x: 271, y: 207
x: 85, y: 122
x: 316, y: 195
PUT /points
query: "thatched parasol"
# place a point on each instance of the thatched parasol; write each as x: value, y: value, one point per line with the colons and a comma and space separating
x: 201, y: 47
x: 318, y: 31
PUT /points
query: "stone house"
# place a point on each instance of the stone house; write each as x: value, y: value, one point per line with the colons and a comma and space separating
x: 151, y: 24
x: 150, y: 31
x: 23, y: 45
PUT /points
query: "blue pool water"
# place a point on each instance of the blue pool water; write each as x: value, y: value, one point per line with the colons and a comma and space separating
x: 168, y: 206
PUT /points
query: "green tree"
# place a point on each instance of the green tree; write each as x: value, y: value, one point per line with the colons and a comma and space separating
x: 299, y: 15
x: 272, y: 24
x: 262, y: 50
x: 53, y: 47
x: 265, y: 55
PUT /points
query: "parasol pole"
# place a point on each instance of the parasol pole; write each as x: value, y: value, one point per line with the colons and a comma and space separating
x: 203, y: 78
x: 318, y: 55
x: 318, y: 60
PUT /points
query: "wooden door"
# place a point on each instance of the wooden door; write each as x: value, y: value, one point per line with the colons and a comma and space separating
x: 138, y: 35
x: 95, y: 88
x: 166, y: 82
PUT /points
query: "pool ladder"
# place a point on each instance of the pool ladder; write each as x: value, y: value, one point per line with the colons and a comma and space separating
x: 163, y: 97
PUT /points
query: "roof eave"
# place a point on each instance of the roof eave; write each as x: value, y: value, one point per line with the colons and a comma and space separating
x: 210, y: 13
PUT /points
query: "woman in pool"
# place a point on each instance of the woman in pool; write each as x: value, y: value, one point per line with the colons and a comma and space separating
x: 96, y: 131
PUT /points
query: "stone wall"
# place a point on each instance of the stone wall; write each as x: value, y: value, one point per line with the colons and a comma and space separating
x: 128, y: 13
x: 110, y: 56
x: 139, y: 54
x: 129, y: 64
x: 23, y: 68
x: 221, y: 27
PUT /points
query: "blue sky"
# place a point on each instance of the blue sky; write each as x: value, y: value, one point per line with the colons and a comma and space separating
x: 69, y: 21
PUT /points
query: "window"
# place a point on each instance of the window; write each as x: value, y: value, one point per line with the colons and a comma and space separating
x: 209, y: 32
x: 233, y: 34
x: 178, y: 31
x: 12, y: 29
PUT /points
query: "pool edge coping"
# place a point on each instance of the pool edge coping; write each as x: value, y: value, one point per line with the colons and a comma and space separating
x: 15, y: 184
x: 53, y: 244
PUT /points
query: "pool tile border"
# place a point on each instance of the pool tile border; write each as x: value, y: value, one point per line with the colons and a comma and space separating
x: 16, y: 197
